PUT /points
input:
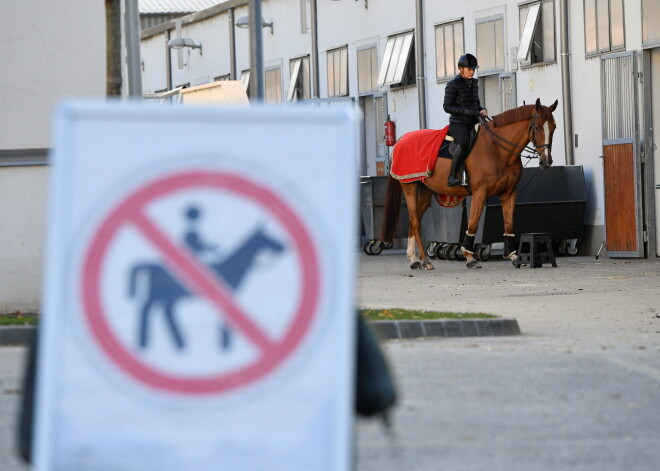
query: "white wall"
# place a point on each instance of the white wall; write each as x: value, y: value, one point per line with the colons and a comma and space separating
x: 49, y: 49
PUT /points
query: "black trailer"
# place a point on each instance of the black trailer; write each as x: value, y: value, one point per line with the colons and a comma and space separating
x: 549, y: 200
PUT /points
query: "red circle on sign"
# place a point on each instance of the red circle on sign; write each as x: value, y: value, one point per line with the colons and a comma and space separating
x: 131, y: 212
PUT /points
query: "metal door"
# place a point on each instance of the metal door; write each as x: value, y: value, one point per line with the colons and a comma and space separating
x: 508, y: 91
x: 621, y: 160
x: 650, y: 160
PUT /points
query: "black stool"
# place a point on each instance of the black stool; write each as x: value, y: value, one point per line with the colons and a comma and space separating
x: 534, y: 250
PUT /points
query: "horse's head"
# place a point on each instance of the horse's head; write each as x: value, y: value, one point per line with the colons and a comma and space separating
x: 541, y: 128
x: 261, y: 240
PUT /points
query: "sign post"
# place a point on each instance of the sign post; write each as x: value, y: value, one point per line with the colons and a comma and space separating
x: 199, y: 309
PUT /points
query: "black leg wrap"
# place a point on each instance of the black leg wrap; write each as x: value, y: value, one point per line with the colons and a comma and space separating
x: 468, y: 243
x: 509, y: 246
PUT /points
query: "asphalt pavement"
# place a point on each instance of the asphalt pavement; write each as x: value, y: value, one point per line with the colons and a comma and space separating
x: 577, y: 389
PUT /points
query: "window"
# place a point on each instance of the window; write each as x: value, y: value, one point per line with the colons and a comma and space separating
x: 273, y: 85
x: 603, y: 26
x: 245, y: 78
x: 299, y: 84
x: 650, y: 21
x: 490, y: 45
x: 537, y: 33
x: 337, y: 61
x: 448, y: 48
x: 367, y: 69
x: 221, y: 78
x: 398, y: 67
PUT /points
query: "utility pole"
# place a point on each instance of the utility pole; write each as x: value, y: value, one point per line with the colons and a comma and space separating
x: 256, y: 52
x: 113, y: 47
x: 132, y: 29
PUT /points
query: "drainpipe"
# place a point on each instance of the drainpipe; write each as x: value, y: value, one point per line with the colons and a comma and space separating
x: 566, y: 83
x: 419, y: 61
x: 168, y: 60
x: 132, y: 29
x: 257, y: 78
x: 232, y: 46
x: 315, y: 49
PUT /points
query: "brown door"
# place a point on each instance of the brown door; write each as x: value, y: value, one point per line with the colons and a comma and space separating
x: 620, y: 200
x: 621, y: 161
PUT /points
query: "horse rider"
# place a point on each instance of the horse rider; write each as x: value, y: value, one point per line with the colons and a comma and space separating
x: 462, y: 103
x: 193, y: 240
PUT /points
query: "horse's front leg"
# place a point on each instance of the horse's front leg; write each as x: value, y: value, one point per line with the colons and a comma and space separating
x: 476, y: 208
x: 508, y: 207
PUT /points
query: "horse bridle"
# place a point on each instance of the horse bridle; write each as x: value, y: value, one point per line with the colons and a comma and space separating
x: 499, y: 140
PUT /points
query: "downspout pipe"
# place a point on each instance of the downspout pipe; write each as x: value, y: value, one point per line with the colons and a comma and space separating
x: 132, y: 28
x: 315, y: 49
x: 257, y: 77
x: 232, y: 46
x: 419, y: 62
x: 566, y: 83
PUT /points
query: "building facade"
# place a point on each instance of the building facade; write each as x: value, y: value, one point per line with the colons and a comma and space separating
x: 599, y: 58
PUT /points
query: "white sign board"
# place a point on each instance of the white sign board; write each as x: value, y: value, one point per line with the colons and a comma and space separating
x: 199, y: 309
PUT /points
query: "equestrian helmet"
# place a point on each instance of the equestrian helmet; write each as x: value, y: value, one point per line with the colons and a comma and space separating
x: 468, y: 60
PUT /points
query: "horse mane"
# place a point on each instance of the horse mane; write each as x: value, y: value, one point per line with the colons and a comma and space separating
x: 512, y: 116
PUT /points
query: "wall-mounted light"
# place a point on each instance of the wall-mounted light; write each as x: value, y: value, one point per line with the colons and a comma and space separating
x: 180, y: 43
x: 244, y: 22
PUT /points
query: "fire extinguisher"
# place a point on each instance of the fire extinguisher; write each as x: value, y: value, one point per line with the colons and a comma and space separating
x: 390, y: 132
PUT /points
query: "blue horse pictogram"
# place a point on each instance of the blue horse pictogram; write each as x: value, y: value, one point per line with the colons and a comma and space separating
x: 164, y: 290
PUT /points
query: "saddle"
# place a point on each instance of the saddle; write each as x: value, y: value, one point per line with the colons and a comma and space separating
x: 449, y: 145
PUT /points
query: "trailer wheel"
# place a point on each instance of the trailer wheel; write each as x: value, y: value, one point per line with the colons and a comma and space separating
x: 431, y: 249
x: 375, y: 247
x: 483, y: 253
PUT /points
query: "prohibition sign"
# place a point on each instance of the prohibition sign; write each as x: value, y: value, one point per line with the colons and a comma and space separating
x: 131, y: 212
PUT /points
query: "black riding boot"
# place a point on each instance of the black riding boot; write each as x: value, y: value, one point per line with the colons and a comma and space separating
x: 456, y: 162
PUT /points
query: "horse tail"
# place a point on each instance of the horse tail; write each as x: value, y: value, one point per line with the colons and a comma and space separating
x: 391, y: 210
x: 132, y: 285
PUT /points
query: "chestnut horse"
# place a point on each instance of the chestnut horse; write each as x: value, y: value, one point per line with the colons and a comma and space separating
x: 494, y: 167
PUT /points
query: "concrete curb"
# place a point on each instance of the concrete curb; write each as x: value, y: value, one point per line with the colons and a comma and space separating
x: 17, y: 335
x: 388, y: 330
x: 385, y: 330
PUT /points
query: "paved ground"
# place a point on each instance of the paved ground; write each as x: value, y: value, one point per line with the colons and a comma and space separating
x: 578, y: 390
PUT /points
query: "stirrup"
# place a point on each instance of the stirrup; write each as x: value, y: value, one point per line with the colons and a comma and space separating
x: 453, y: 181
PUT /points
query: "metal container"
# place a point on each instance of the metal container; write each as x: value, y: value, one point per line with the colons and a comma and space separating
x: 372, y: 202
x: 551, y: 200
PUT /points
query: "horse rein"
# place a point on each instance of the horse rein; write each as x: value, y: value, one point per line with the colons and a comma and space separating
x: 498, y: 140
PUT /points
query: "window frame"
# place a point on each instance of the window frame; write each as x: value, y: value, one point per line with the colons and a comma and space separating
x: 457, y: 50
x: 278, y: 85
x: 372, y: 49
x: 528, y: 60
x: 299, y: 88
x: 332, y: 75
x: 646, y: 21
x: 596, y: 19
x: 397, y: 60
x: 480, y: 57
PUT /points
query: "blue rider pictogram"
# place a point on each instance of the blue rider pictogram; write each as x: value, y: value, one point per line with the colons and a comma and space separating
x: 164, y: 289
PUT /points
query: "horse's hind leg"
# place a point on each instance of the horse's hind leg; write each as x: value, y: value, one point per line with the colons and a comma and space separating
x: 174, y: 329
x: 415, y: 201
x: 143, y: 333
x: 424, y: 195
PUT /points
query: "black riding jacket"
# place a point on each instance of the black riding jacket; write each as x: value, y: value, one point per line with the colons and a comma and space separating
x: 462, y: 100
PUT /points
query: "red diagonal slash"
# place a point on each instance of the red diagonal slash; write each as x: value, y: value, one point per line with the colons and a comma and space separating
x: 132, y: 211
x: 201, y: 280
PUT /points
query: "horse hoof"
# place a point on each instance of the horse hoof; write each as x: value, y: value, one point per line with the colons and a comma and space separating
x: 473, y: 264
x: 416, y: 265
x: 426, y: 265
